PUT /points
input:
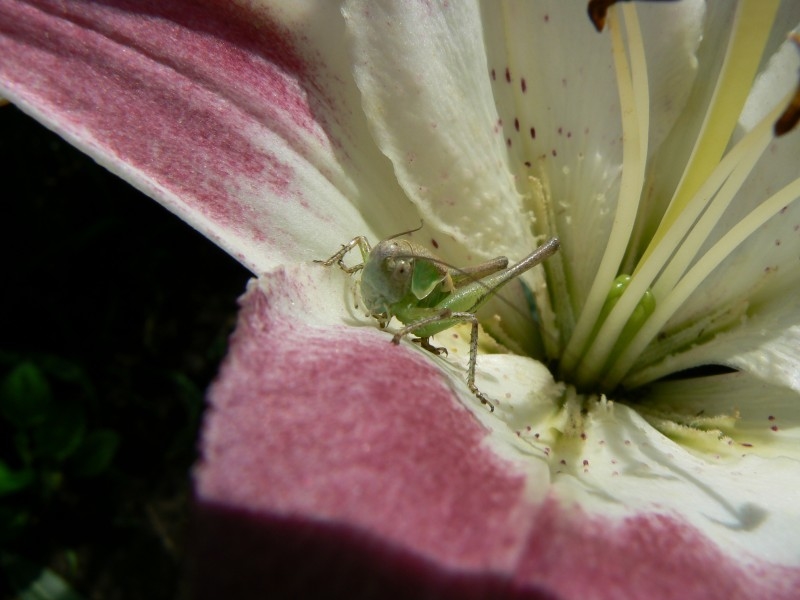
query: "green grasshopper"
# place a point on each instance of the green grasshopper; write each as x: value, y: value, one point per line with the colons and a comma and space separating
x: 401, y: 279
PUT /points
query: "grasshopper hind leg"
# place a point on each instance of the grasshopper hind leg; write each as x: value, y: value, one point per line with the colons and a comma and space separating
x: 448, y: 315
x: 473, y: 358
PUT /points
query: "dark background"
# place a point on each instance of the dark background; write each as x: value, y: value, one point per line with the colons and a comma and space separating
x: 100, y: 281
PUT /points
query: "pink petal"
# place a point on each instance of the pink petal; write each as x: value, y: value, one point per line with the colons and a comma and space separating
x: 337, y: 465
x: 222, y: 113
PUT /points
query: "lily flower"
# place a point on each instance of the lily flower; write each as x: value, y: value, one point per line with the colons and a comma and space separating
x: 645, y: 380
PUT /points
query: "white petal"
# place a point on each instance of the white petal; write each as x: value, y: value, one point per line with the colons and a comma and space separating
x: 423, y: 74
x: 765, y: 417
x: 668, y: 164
x: 624, y: 463
x: 561, y: 114
x: 555, y: 88
x: 764, y: 345
x: 672, y: 32
x: 358, y: 169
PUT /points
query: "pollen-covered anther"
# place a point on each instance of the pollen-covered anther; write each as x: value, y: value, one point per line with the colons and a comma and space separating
x: 597, y: 11
x: 791, y: 116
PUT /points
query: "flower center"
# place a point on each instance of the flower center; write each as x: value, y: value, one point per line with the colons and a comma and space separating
x: 629, y: 320
x: 662, y: 287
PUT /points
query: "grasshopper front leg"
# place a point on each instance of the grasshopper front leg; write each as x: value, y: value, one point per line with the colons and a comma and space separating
x: 449, y: 315
x: 338, y: 258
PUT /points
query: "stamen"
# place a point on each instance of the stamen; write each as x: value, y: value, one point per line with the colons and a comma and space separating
x: 698, y: 273
x: 633, y: 89
x: 644, y: 308
x: 557, y: 289
x: 704, y: 177
x: 752, y: 26
x: 691, y: 245
x: 728, y: 175
x: 741, y: 158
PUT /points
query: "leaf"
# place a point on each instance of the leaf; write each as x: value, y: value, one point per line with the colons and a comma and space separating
x: 67, y: 371
x: 62, y: 431
x: 12, y: 481
x: 25, y: 396
x: 32, y: 582
x: 96, y: 453
x: 13, y: 521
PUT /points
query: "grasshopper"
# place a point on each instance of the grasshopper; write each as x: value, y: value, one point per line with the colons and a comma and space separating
x: 400, y: 278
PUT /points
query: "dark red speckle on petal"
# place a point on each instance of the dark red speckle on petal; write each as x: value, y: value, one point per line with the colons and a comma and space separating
x: 524, y: 85
x: 533, y: 133
x: 508, y: 75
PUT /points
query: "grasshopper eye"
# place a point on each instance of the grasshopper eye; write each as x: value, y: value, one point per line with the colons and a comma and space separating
x: 401, y: 269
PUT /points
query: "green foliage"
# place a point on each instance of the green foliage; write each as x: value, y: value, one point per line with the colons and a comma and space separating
x: 134, y: 309
x: 46, y: 437
x: 34, y: 582
x: 25, y: 396
x: 13, y: 480
x: 95, y: 453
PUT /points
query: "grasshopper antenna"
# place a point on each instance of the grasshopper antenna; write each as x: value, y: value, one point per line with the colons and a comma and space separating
x: 402, y: 233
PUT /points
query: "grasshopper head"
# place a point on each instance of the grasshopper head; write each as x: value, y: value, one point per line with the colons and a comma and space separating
x: 387, y: 275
